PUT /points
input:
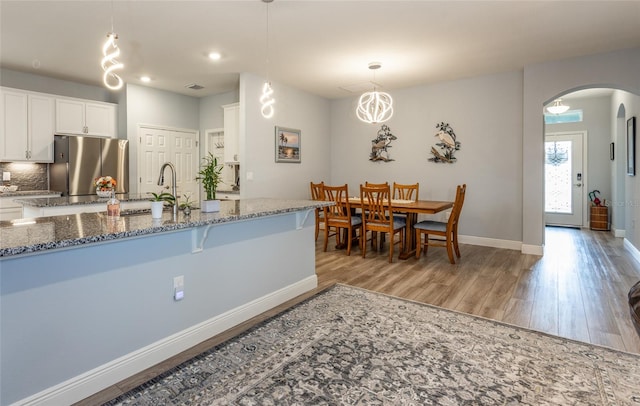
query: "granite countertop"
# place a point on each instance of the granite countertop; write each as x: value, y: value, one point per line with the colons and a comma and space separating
x: 77, y: 200
x: 27, y: 236
x: 27, y: 193
x: 231, y: 192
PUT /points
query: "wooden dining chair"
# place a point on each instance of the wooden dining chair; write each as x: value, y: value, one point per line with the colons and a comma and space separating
x: 448, y: 230
x: 317, y: 193
x: 339, y: 216
x: 379, y: 216
x: 406, y: 192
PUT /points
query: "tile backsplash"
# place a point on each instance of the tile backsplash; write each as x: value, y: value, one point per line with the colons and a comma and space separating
x: 28, y: 176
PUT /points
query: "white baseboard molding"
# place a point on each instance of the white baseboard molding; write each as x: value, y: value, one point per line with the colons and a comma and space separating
x: 489, y: 242
x: 84, y: 385
x: 619, y: 233
x: 632, y: 249
x: 532, y: 249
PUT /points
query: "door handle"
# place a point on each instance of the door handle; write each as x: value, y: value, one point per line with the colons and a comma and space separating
x: 578, y: 184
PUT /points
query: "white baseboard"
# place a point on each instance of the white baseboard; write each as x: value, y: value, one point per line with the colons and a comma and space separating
x: 532, y: 249
x: 84, y: 385
x: 632, y: 249
x: 619, y: 233
x: 490, y: 242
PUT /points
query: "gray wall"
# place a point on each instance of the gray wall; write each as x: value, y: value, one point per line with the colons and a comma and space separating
x: 545, y: 82
x: 486, y: 115
x: 44, y: 84
x: 294, y: 109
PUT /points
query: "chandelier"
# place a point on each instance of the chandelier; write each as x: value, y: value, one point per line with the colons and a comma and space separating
x: 266, y: 99
x: 375, y: 107
x: 557, y: 107
x: 110, y: 52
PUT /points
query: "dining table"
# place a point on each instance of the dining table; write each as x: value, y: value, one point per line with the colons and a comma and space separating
x: 410, y: 208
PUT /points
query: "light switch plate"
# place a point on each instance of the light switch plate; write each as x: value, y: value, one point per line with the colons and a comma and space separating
x: 6, y: 176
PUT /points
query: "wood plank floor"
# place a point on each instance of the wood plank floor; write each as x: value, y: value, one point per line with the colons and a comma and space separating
x: 578, y: 290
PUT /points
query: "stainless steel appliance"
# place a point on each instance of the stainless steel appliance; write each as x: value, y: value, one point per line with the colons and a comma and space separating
x: 78, y: 160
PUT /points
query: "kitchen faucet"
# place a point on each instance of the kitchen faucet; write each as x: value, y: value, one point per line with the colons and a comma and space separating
x: 174, y: 191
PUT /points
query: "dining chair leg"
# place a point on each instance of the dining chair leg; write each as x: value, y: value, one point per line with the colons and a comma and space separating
x: 450, y: 251
x: 455, y: 242
x: 317, y: 227
x: 326, y: 237
x: 391, y: 247
x: 349, y: 238
x: 418, y: 243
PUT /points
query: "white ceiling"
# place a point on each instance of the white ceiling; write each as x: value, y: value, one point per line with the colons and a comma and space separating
x: 318, y: 46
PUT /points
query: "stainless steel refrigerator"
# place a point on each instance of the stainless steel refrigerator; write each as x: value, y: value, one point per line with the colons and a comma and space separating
x: 79, y: 160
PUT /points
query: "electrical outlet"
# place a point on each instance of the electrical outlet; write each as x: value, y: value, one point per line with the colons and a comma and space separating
x: 178, y: 288
x: 6, y: 176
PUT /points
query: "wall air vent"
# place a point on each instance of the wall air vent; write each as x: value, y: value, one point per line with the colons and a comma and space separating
x: 194, y: 86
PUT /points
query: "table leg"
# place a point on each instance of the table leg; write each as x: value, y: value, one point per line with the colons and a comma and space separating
x: 409, y: 238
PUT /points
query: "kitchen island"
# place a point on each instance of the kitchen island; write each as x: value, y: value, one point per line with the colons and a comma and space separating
x: 57, y: 206
x: 87, y: 300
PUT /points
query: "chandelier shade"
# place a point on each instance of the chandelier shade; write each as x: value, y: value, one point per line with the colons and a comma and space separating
x: 267, y: 101
x: 375, y: 107
x: 557, y: 107
x: 109, y: 63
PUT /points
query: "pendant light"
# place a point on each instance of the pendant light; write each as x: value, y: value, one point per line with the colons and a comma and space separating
x: 557, y: 107
x: 375, y: 107
x: 266, y: 99
x: 109, y: 63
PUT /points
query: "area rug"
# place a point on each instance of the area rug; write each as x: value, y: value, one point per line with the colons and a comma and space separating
x: 348, y: 346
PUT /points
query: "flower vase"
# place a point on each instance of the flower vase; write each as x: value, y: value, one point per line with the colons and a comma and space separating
x: 156, y: 209
x: 103, y: 192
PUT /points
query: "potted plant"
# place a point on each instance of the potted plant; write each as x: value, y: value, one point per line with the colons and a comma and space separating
x: 187, y: 205
x: 157, y: 203
x: 210, y: 176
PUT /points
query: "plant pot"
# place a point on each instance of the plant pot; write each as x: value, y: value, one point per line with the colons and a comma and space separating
x: 103, y: 193
x: 156, y: 209
x: 210, y: 206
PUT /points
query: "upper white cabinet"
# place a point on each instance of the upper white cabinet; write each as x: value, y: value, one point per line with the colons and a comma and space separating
x: 27, y: 129
x: 83, y: 117
x: 231, y: 133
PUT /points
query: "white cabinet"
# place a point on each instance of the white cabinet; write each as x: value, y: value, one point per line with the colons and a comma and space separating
x: 83, y: 117
x: 231, y: 133
x: 10, y: 210
x: 27, y: 127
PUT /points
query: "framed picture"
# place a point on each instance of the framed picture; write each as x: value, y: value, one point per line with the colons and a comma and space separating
x: 612, y: 151
x: 631, y: 146
x: 287, y: 145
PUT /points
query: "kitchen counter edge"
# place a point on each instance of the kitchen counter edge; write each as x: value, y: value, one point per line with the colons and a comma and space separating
x: 97, y: 227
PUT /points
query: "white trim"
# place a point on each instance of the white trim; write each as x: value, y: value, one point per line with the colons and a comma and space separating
x: 532, y: 249
x: 619, y: 233
x: 490, y: 242
x: 90, y: 382
x: 633, y: 250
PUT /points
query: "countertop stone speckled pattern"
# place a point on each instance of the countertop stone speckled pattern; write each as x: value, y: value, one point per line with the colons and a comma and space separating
x: 27, y: 193
x: 27, y: 236
x: 77, y: 200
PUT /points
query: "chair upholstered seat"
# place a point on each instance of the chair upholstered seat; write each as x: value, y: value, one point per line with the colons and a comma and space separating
x: 431, y: 225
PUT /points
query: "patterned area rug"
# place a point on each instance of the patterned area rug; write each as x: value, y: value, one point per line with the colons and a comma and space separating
x: 354, y: 347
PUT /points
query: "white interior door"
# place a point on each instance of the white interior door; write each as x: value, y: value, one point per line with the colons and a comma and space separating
x: 159, y: 145
x: 564, y: 179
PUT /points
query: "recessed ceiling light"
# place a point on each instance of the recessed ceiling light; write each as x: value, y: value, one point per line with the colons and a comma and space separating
x: 145, y: 79
x: 215, y: 56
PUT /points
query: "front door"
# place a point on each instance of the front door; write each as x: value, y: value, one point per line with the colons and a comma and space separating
x: 564, y: 179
